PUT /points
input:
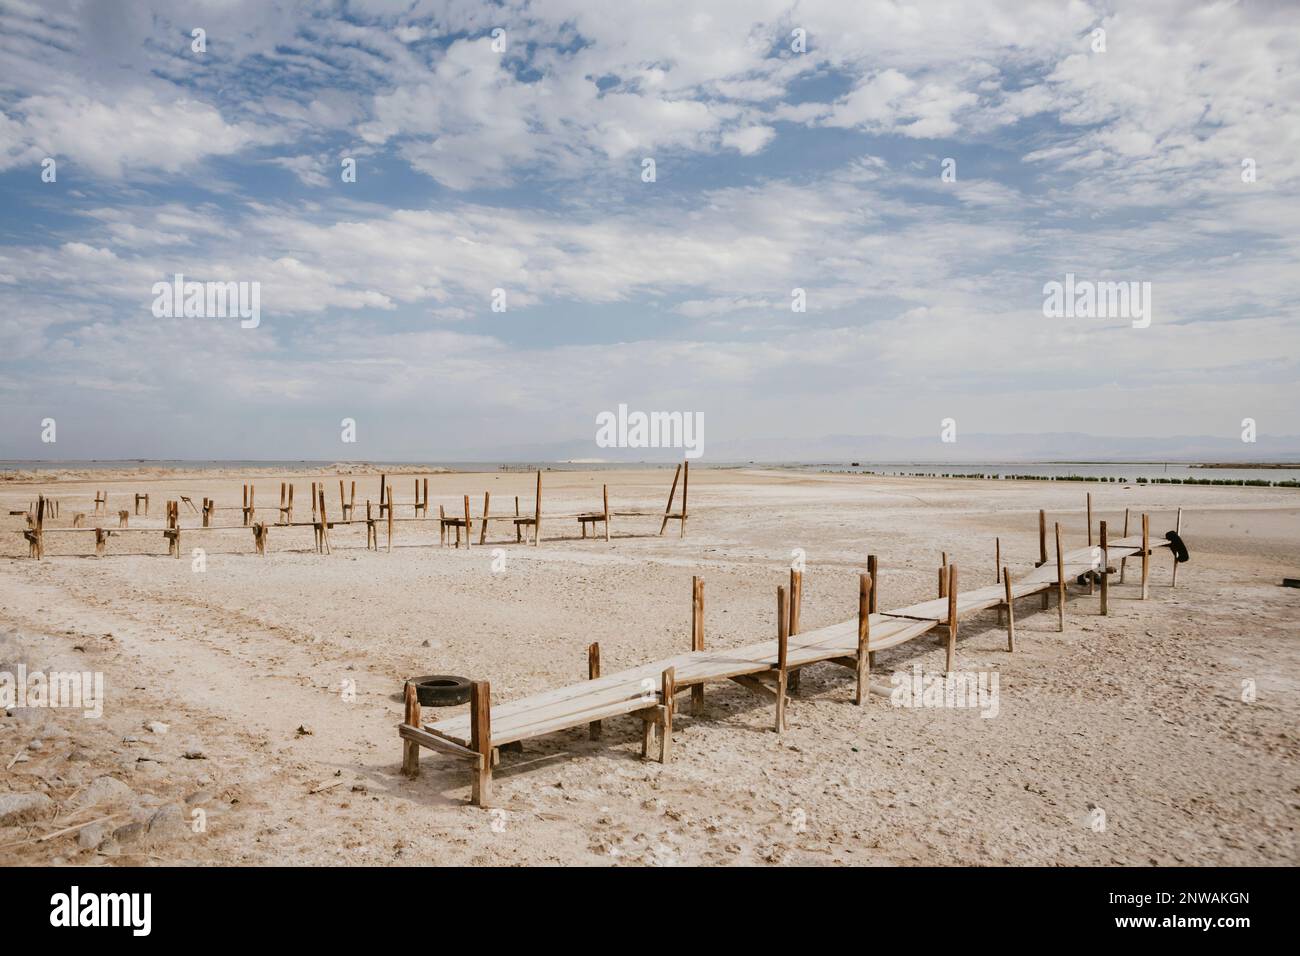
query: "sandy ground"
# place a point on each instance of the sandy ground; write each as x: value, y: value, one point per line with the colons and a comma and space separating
x: 1140, y: 714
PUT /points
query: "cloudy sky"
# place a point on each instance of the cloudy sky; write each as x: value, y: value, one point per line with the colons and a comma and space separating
x: 796, y: 145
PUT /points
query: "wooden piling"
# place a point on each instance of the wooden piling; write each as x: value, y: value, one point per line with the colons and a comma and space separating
x: 1105, y: 572
x: 1089, y: 519
x: 411, y: 749
x: 482, y: 532
x: 593, y: 672
x: 480, y: 738
x: 1042, y: 546
x: 604, y: 494
x: 1146, y: 555
x: 1011, y: 613
x: 697, y: 638
x: 537, y: 514
x: 864, y: 639
x: 390, y: 521
x: 686, y: 484
x: 952, y: 615
x: 782, y: 642
x: 1060, y: 582
x: 468, y: 526
x: 872, y: 569
x: 669, y: 692
x: 796, y: 609
x: 1123, y: 562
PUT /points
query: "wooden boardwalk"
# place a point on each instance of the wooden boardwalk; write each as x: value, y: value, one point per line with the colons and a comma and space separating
x: 766, y: 668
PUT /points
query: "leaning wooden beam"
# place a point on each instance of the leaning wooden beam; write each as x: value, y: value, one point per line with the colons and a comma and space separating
x: 782, y: 640
x: 863, y: 662
x: 672, y: 493
x: 697, y: 637
x: 686, y: 484
x: 1060, y: 582
x: 593, y: 673
x: 480, y: 709
x: 482, y: 533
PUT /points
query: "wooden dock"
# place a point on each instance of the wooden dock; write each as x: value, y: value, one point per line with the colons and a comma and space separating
x: 766, y: 668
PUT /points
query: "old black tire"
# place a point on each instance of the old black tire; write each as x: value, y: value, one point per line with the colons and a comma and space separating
x: 441, y: 690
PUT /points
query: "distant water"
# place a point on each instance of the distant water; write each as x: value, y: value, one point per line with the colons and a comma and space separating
x: 1130, y: 471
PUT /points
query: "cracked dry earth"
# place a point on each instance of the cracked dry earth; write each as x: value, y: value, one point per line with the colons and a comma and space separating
x: 228, y: 737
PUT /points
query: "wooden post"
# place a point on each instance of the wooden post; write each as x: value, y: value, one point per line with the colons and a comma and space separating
x: 669, y: 679
x: 952, y: 615
x: 1123, y: 562
x: 593, y: 672
x: 390, y: 522
x: 686, y: 484
x: 1042, y: 546
x: 425, y: 509
x: 101, y: 539
x: 1146, y: 555
x: 122, y: 518
x: 442, y: 525
x: 943, y: 580
x: 410, y: 749
x: 372, y: 533
x: 604, y: 493
x: 796, y: 607
x: 482, y: 532
x: 519, y: 534
x: 697, y: 637
x: 782, y: 640
x: 1060, y: 582
x: 672, y: 493
x: 537, y: 514
x: 864, y: 639
x: 343, y: 502
x: 383, y: 496
x: 467, y: 524
x: 1105, y: 576
x: 997, y: 568
x: 1011, y: 613
x: 1178, y: 529
x: 1090, y: 519
x: 324, y: 523
x: 480, y: 739
x: 872, y: 568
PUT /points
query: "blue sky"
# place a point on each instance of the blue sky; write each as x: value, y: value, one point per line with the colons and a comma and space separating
x: 521, y: 169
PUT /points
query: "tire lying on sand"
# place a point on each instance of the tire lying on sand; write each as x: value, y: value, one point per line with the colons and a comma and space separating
x: 441, y: 690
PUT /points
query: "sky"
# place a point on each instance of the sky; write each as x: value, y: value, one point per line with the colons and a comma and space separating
x: 500, y: 154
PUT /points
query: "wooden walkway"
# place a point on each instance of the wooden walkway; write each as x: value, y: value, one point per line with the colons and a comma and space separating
x: 767, y: 668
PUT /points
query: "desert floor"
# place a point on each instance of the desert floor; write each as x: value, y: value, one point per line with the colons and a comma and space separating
x: 1140, y: 714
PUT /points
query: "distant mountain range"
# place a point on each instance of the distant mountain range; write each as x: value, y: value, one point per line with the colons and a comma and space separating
x: 974, y: 447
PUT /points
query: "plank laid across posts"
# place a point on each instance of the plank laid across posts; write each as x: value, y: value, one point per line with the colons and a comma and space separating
x: 482, y: 532
x: 1146, y: 556
x: 952, y: 615
x: 1011, y: 613
x: 593, y: 673
x: 697, y: 637
x: 1060, y: 582
x: 480, y: 711
x: 796, y: 609
x: 1178, y: 529
x: 782, y: 641
x: 1105, y: 572
x: 864, y: 638
x: 411, y: 749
